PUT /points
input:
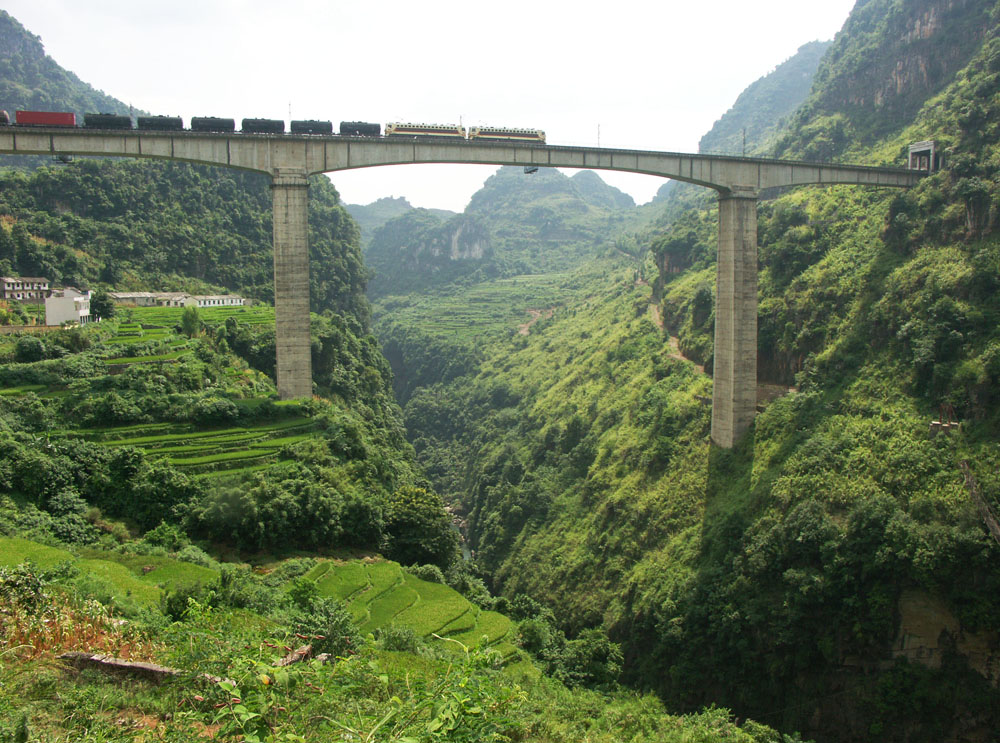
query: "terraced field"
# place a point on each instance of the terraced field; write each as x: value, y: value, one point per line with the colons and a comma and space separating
x: 154, y: 318
x: 220, y: 452
x: 376, y: 593
x: 488, y: 307
x: 140, y: 579
x: 382, y: 593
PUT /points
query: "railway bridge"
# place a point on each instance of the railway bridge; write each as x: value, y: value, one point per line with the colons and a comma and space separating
x: 289, y: 160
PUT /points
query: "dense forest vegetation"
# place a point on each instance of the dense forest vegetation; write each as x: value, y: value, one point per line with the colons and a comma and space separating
x: 550, y: 355
x: 794, y: 578
x: 147, y: 465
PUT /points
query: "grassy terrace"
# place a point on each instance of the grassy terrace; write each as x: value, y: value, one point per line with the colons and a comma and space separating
x: 381, y: 593
x: 376, y: 593
x: 231, y: 451
x: 152, y: 319
x: 490, y: 307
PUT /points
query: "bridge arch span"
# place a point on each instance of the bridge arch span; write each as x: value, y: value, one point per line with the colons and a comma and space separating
x: 289, y: 160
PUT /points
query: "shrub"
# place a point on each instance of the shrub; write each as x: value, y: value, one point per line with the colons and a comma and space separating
x: 419, y: 529
x: 165, y: 535
x: 239, y: 588
x: 429, y: 573
x: 401, y: 639
x: 22, y: 587
x: 329, y: 625
x: 211, y: 410
x: 174, y: 604
x: 29, y: 348
x: 289, y: 569
x: 303, y: 592
x: 70, y: 518
x: 196, y: 556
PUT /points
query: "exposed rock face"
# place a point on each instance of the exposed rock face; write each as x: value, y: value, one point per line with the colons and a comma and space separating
x: 418, y: 247
x: 928, y: 630
x: 928, y: 42
x: 468, y: 242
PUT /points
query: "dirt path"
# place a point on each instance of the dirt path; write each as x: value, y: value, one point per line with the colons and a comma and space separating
x: 536, y: 315
x: 654, y: 315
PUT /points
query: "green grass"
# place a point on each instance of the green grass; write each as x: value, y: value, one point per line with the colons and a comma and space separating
x: 466, y: 622
x: 169, y: 317
x: 437, y: 606
x: 172, y: 356
x: 21, y: 390
x: 125, y: 584
x: 14, y: 551
x: 384, y: 609
x: 490, y: 623
x: 166, y: 571
x: 339, y: 581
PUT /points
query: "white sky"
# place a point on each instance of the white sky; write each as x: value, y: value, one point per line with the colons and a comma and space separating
x: 645, y: 74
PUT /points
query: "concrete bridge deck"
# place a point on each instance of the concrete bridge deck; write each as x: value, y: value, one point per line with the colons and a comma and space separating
x: 311, y: 154
x: 290, y: 159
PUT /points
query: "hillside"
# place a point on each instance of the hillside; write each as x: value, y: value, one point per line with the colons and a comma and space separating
x: 517, y: 223
x: 372, y: 216
x: 833, y: 574
x: 30, y: 79
x: 891, y: 57
x: 758, y: 114
x: 158, y: 503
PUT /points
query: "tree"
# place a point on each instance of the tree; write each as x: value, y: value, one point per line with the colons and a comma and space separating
x: 190, y: 322
x: 419, y: 528
x: 102, y: 306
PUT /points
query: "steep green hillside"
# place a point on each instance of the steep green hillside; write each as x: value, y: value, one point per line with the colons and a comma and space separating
x: 30, y: 79
x: 517, y: 224
x: 890, y: 58
x: 762, y: 109
x: 143, y: 424
x: 160, y: 226
x: 372, y: 216
x: 833, y: 574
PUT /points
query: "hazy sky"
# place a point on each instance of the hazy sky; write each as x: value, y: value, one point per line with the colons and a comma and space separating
x: 644, y: 75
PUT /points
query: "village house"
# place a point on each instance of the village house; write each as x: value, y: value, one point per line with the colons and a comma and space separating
x: 67, y: 306
x: 24, y: 288
x: 176, y: 299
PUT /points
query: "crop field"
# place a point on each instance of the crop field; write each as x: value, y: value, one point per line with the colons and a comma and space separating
x: 14, y: 551
x: 376, y: 593
x: 489, y: 307
x: 382, y: 593
x: 167, y: 318
x: 160, y: 325
x: 233, y: 451
x: 436, y: 607
x: 137, y: 578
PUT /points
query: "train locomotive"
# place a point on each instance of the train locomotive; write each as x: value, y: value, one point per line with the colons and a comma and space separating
x: 217, y: 125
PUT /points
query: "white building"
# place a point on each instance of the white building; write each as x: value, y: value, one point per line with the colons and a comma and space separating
x: 177, y: 299
x: 139, y: 299
x: 219, y: 300
x: 67, y: 306
x: 24, y: 288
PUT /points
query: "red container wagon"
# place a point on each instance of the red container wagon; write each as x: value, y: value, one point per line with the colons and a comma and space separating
x: 44, y: 118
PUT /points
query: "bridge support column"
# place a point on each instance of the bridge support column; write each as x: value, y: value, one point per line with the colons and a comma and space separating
x: 734, y: 393
x: 290, y: 198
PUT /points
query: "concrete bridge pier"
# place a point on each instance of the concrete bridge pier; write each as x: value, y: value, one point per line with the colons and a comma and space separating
x: 290, y: 197
x: 734, y: 391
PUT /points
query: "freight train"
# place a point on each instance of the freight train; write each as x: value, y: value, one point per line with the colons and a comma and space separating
x: 216, y: 125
